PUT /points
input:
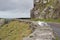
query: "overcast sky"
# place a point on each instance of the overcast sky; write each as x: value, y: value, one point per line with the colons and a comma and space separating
x: 15, y: 8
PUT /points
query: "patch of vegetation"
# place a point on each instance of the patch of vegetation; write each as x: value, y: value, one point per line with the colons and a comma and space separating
x: 47, y: 20
x: 14, y: 30
x: 57, y: 38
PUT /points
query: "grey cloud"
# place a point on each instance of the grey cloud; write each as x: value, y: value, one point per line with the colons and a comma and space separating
x: 21, y: 7
x: 11, y: 4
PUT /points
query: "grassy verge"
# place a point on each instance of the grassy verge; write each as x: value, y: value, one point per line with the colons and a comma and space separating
x: 14, y: 30
x: 57, y: 38
x: 47, y: 20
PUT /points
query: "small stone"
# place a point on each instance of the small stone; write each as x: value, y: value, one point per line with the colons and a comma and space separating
x: 44, y: 2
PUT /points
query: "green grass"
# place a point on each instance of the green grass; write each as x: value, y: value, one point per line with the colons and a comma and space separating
x: 47, y: 20
x: 57, y: 38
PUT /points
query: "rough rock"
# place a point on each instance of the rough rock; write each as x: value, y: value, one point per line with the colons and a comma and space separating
x: 40, y: 32
x: 45, y: 9
x: 2, y: 21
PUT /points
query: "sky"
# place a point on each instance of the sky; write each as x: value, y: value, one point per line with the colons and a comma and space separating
x: 15, y: 8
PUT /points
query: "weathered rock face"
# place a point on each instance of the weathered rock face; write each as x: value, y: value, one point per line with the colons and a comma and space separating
x: 40, y: 33
x: 45, y: 9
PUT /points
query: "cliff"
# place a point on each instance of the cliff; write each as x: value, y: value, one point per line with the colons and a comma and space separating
x: 46, y: 9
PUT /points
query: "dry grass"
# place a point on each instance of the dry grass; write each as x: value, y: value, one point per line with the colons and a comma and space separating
x: 14, y: 30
